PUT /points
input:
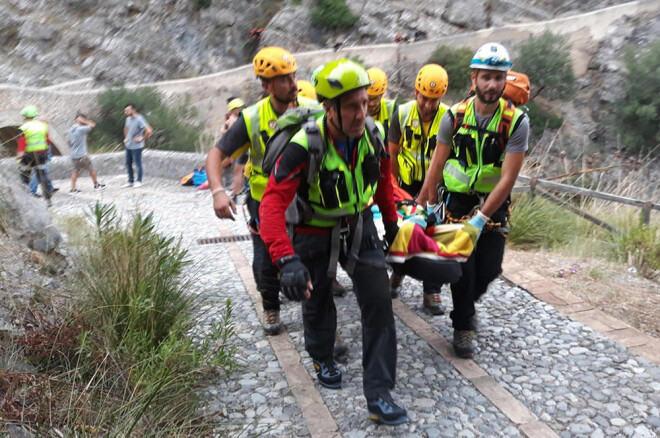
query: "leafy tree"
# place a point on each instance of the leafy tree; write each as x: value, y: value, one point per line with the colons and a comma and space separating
x: 333, y: 14
x: 547, y: 61
x: 173, y: 127
x: 639, y: 109
x: 457, y: 63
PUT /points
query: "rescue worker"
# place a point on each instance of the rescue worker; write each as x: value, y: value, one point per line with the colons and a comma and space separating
x: 276, y: 69
x: 411, y: 142
x: 478, y: 160
x: 32, y: 149
x: 339, y: 227
x: 306, y: 89
x: 232, y: 173
x: 380, y: 109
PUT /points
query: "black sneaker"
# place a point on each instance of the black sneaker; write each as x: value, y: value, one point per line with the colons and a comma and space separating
x: 328, y: 373
x: 383, y: 409
x: 55, y: 189
x: 337, y: 289
x: 464, y: 343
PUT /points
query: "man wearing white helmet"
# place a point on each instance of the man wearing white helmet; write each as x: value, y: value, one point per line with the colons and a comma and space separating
x: 480, y: 150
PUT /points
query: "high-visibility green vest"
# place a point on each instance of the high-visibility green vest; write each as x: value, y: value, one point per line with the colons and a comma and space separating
x: 337, y: 190
x: 416, y: 146
x: 385, y: 113
x: 476, y: 157
x: 36, y: 135
x: 260, y: 120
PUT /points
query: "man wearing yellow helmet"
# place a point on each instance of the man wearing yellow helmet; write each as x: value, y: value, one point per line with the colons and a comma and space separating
x: 380, y: 108
x: 276, y: 69
x: 306, y: 89
x: 33, y: 148
x: 232, y: 173
x: 481, y: 146
x: 335, y: 223
x: 411, y: 143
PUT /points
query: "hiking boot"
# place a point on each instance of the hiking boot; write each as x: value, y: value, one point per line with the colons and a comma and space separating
x: 433, y: 304
x: 464, y: 343
x: 395, y: 284
x: 337, y: 289
x: 328, y: 373
x: 340, y: 349
x: 273, y: 325
x: 383, y: 409
x: 99, y: 186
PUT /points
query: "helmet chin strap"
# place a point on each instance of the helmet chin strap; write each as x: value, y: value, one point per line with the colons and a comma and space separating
x: 339, y: 127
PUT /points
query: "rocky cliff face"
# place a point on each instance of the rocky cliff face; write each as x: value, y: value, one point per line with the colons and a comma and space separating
x: 46, y: 42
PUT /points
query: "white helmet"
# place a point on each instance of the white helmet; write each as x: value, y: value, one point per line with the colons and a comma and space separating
x: 491, y: 56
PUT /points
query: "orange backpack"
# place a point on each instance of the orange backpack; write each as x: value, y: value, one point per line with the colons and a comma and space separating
x: 517, y: 88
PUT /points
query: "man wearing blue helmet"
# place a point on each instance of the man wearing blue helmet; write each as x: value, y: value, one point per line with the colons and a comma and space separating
x: 480, y: 150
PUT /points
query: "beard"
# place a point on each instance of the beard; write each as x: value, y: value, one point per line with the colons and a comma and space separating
x: 489, y: 97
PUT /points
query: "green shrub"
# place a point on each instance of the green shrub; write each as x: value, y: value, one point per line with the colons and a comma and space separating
x: 125, y: 363
x: 638, y: 245
x: 174, y: 128
x: 538, y: 223
x: 547, y: 61
x: 639, y: 109
x: 333, y: 14
x: 457, y: 63
x: 202, y: 4
x: 540, y: 119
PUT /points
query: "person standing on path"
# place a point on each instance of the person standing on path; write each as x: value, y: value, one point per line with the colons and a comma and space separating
x: 481, y: 146
x: 136, y: 131
x: 77, y: 138
x: 232, y: 170
x: 276, y: 69
x: 337, y: 225
x: 32, y: 149
x: 411, y: 142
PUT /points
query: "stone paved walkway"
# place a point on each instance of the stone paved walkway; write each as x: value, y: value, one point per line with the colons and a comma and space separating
x: 537, y: 373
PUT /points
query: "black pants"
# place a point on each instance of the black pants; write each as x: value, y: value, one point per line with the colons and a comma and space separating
x: 266, y: 274
x: 413, y: 189
x: 35, y: 160
x: 483, y: 266
x: 372, y: 289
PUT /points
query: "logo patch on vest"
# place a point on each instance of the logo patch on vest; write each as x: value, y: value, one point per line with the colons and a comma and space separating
x: 415, y: 123
x: 272, y: 124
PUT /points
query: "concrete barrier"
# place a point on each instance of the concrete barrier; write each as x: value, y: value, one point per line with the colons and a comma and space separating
x: 155, y: 163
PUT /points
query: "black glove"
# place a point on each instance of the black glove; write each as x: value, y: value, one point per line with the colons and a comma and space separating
x: 293, y: 277
x: 391, y: 230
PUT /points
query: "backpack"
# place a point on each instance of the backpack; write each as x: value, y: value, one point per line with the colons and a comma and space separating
x: 305, y: 118
x: 287, y: 126
x: 502, y: 134
x: 517, y: 88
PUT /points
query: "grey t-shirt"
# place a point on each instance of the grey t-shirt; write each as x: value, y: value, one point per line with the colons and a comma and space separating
x: 135, y: 127
x: 517, y: 142
x: 78, y: 139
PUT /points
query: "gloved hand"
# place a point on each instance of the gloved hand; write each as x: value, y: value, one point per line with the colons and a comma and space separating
x: 391, y: 230
x: 478, y: 221
x: 294, y: 278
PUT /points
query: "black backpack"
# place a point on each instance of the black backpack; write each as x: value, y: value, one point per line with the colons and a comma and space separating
x: 287, y: 126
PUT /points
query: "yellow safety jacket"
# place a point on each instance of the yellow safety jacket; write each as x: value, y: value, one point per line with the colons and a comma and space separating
x: 416, y: 146
x: 476, y: 157
x: 337, y: 190
x: 385, y: 113
x: 260, y: 120
x: 36, y: 135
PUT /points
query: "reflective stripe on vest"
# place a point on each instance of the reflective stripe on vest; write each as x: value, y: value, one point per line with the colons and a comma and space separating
x: 349, y: 192
x: 36, y: 135
x: 416, y: 146
x: 475, y: 160
x: 260, y: 121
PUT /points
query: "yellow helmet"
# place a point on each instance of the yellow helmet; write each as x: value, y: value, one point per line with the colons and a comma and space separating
x: 306, y: 89
x: 378, y: 80
x: 235, y: 103
x: 273, y: 61
x: 432, y: 81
